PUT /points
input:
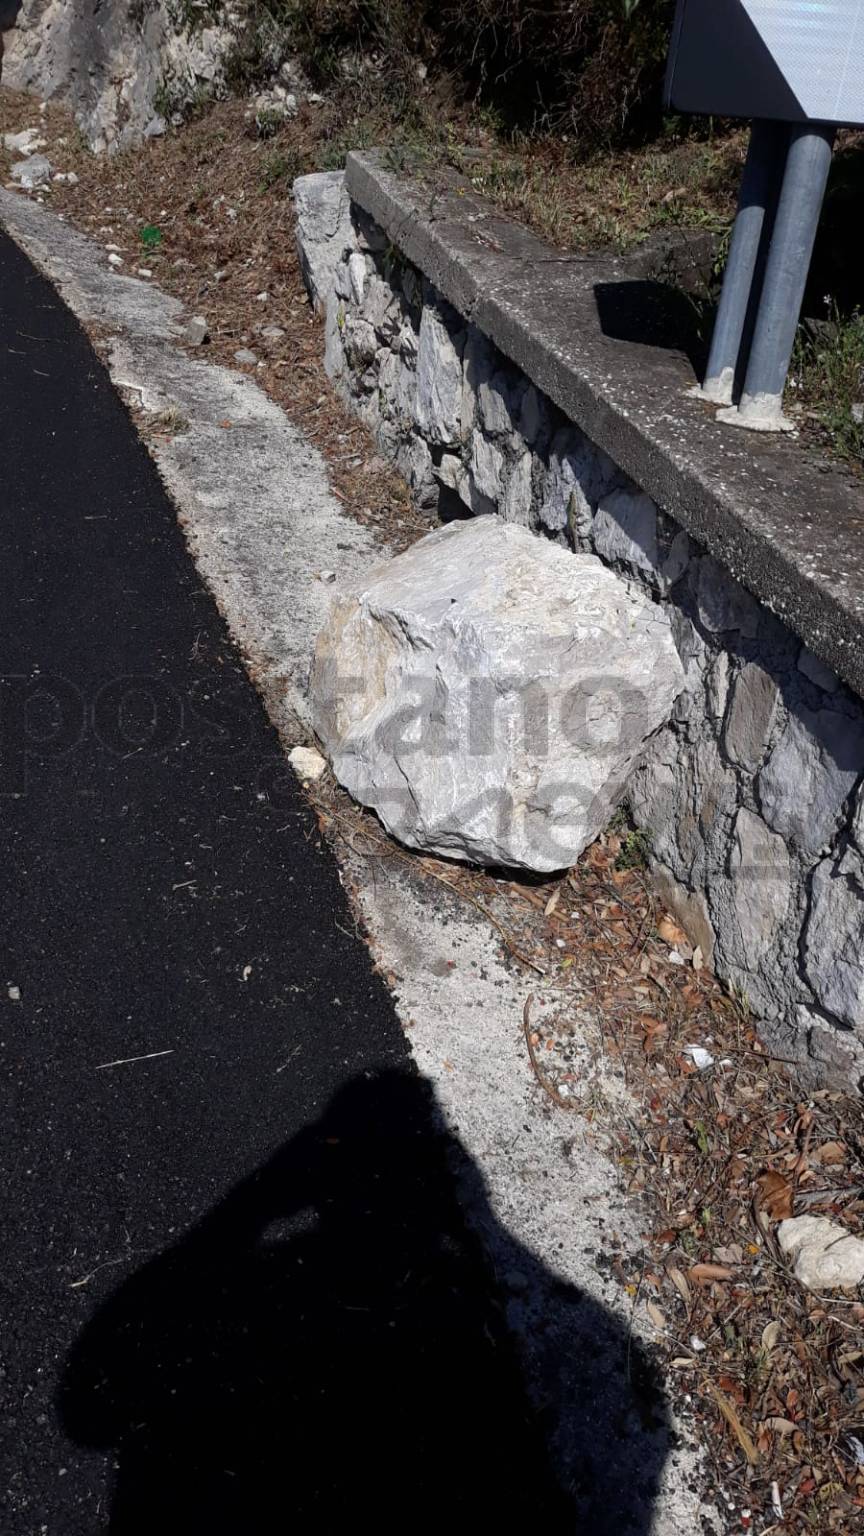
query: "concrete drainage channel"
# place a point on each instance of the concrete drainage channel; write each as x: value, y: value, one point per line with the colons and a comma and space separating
x: 255, y: 505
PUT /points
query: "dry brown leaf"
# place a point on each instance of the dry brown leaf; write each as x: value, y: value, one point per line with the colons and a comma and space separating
x: 729, y: 1253
x: 770, y: 1335
x: 781, y: 1426
x: 775, y: 1195
x: 654, y: 1030
x: 655, y: 1315
x: 670, y: 932
x: 552, y: 902
x: 680, y: 1284
x: 703, y: 1273
x: 731, y: 1416
x: 830, y: 1154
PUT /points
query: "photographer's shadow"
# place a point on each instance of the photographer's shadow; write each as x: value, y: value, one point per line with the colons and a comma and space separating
x: 327, y: 1345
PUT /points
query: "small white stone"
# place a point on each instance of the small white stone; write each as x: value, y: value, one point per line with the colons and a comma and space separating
x: 33, y: 172
x: 197, y: 331
x: 114, y: 260
x: 245, y: 357
x: 825, y: 1256
x: 14, y: 994
x: 145, y: 272
x: 308, y: 764
x: 699, y: 1056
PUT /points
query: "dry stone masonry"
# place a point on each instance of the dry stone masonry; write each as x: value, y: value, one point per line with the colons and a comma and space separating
x: 752, y: 793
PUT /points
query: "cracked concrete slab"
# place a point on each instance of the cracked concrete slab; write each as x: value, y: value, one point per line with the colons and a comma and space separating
x: 254, y: 501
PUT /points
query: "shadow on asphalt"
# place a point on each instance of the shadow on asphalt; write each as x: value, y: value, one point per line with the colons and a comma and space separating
x: 327, y: 1343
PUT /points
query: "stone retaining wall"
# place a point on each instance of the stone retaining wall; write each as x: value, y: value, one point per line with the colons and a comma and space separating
x: 752, y: 796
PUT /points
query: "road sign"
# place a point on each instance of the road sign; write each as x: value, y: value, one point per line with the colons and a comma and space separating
x: 796, y: 60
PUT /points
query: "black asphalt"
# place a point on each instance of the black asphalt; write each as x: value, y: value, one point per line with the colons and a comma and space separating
x: 237, y: 1291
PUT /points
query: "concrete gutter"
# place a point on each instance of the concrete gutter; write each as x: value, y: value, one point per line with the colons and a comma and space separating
x: 585, y: 330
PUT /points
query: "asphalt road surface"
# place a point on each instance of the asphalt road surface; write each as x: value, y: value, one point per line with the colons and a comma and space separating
x: 238, y: 1293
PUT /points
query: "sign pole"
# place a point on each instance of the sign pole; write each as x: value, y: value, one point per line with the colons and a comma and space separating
x: 745, y: 263
x: 807, y: 164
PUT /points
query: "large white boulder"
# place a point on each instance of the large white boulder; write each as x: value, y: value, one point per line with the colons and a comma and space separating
x: 488, y: 694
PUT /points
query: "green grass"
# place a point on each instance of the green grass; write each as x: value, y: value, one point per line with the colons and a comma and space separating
x: 281, y: 166
x: 827, y: 384
x: 635, y: 851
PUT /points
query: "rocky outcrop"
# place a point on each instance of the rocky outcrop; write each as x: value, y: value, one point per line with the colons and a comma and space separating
x: 112, y: 63
x: 488, y: 694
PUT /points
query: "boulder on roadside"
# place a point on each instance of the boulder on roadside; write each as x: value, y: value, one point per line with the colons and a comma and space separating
x: 488, y: 694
